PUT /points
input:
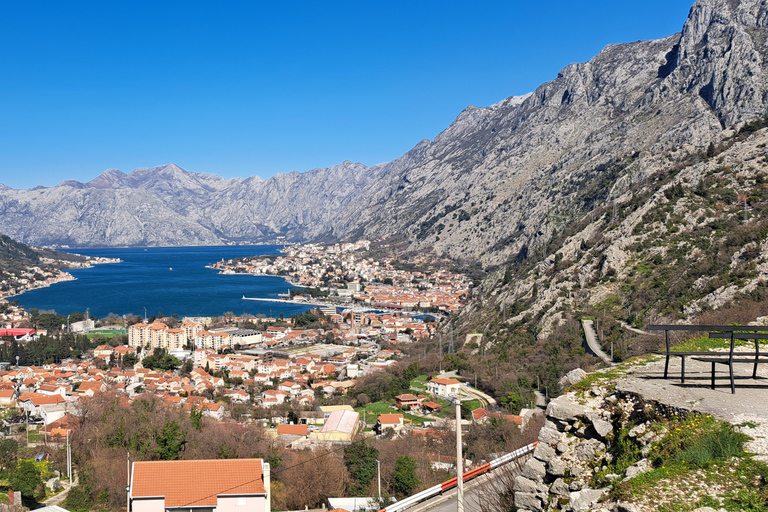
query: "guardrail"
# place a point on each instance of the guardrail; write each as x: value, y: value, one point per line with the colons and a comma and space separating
x: 450, y: 484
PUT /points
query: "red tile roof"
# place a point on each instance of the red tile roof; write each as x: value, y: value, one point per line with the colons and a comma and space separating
x: 390, y: 418
x: 292, y: 430
x: 196, y: 483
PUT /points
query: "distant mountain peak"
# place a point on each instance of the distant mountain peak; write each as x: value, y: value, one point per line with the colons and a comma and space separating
x: 71, y: 183
x: 111, y: 178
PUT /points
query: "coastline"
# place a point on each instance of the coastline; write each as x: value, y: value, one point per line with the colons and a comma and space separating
x: 221, y: 272
x: 62, y: 277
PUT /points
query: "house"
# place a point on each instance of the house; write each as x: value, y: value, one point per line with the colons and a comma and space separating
x: 32, y: 402
x: 215, y: 411
x: 408, y: 400
x: 8, y: 397
x: 387, y: 421
x: 90, y: 388
x: 340, y: 427
x: 483, y: 416
x: 52, y: 412
x: 203, y: 485
x: 444, y: 387
x: 292, y: 430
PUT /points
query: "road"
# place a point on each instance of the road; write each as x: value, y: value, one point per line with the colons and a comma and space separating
x: 592, y: 342
x: 633, y: 329
x: 476, y: 393
x: 487, y: 400
x: 476, y: 492
x: 55, y: 500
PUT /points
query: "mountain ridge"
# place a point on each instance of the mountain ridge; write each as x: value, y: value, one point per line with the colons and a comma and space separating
x: 486, y: 188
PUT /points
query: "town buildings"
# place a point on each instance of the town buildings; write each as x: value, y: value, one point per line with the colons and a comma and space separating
x: 220, y: 485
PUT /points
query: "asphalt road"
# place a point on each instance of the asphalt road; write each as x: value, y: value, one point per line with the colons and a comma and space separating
x: 474, y: 492
x: 592, y: 341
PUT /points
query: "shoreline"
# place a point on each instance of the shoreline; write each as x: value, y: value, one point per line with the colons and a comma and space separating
x: 64, y: 276
x: 221, y: 272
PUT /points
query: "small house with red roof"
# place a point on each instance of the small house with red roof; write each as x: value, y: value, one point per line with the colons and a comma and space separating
x: 222, y: 485
x: 444, y: 387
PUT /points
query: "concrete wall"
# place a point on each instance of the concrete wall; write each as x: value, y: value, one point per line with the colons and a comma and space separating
x: 148, y: 505
x: 242, y: 504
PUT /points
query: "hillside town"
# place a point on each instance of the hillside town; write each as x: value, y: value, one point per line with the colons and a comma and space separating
x: 217, y: 370
x: 345, y: 275
x: 49, y: 272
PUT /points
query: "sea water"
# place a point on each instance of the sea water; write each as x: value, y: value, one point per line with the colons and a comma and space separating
x: 171, y: 280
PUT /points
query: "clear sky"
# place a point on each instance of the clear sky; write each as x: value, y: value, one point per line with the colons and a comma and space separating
x: 243, y: 88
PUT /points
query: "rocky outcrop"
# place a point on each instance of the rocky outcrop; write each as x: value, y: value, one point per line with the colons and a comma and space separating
x: 499, y: 181
x: 574, y: 445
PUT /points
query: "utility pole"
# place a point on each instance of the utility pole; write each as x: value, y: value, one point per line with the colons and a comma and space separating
x: 378, y: 472
x: 69, y: 460
x: 459, y: 460
x: 128, y: 486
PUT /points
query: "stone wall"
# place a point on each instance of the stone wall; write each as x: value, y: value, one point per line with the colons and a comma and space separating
x: 575, y: 444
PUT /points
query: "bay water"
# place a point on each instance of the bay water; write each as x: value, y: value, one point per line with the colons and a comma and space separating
x: 171, y: 280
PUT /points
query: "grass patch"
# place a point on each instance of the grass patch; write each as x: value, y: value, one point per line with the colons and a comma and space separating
x: 373, y: 410
x: 109, y: 333
x: 595, y: 378
x: 697, y: 454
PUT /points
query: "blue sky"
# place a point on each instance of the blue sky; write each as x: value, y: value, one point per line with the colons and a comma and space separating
x: 244, y: 88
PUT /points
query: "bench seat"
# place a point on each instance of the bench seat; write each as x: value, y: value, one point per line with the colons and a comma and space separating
x: 682, y: 356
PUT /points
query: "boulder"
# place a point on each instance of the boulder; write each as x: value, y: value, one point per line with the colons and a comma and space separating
x: 53, y: 484
x: 560, y: 488
x: 523, y: 484
x: 544, y: 452
x: 563, y: 409
x: 585, y: 451
x: 638, y: 468
x: 572, y: 377
x: 549, y: 436
x: 534, y: 470
x: 602, y: 427
x: 584, y: 499
x: 528, y: 501
x: 638, y: 430
x: 557, y: 467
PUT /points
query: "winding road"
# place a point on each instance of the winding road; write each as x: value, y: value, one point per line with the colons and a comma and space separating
x: 593, y: 343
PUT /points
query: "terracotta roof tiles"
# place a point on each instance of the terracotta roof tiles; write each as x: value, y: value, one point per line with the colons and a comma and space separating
x: 196, y: 483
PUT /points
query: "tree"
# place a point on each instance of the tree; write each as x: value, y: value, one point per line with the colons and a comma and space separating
x: 130, y: 360
x: 26, y: 478
x: 170, y: 441
x: 711, y: 150
x: 8, y: 450
x: 405, y: 480
x: 360, y: 460
x: 161, y: 360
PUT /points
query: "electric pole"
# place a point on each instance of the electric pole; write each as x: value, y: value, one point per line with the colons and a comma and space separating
x: 459, y: 460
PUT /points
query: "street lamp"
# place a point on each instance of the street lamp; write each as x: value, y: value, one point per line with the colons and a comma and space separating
x: 459, y: 456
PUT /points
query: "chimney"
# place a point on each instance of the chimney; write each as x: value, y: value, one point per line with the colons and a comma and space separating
x: 267, y: 486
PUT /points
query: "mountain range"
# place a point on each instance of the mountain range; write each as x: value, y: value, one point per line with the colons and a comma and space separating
x: 498, y: 182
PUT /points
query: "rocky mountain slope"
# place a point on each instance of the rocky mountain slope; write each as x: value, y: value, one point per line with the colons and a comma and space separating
x: 498, y: 182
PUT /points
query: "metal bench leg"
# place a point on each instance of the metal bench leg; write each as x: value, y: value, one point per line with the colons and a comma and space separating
x: 713, y: 375
x: 757, y: 356
x: 666, y: 367
x: 733, y: 385
x: 682, y: 369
